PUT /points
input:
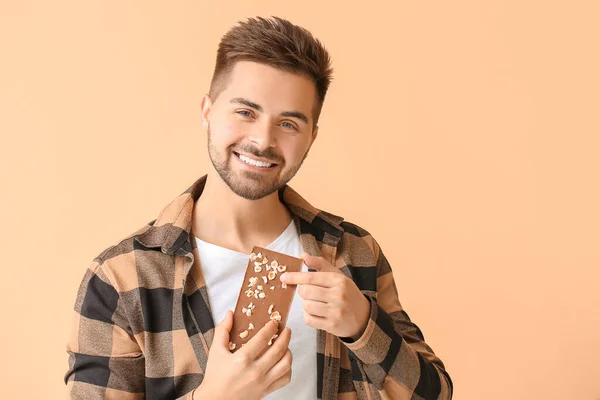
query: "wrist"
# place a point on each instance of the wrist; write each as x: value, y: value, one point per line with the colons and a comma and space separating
x: 200, y: 393
x: 365, y: 319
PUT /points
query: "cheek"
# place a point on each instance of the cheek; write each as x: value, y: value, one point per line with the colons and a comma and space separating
x: 292, y: 150
x: 227, y: 134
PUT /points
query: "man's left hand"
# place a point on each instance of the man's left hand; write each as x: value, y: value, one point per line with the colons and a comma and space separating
x: 332, y: 301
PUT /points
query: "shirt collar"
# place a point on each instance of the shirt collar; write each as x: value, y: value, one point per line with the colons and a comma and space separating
x: 171, y: 230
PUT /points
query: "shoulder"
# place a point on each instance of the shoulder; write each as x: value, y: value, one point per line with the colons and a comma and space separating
x: 118, y: 264
x: 356, y: 243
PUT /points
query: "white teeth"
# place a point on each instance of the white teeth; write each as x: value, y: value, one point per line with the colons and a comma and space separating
x: 256, y: 163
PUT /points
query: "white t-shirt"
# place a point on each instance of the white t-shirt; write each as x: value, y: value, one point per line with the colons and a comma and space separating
x: 224, y: 271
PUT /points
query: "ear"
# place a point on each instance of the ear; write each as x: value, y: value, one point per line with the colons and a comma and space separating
x: 314, y: 135
x: 205, y: 107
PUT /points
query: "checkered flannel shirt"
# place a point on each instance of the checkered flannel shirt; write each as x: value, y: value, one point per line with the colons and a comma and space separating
x: 143, y: 327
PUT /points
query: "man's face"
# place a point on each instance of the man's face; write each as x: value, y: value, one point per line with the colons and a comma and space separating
x: 260, y: 128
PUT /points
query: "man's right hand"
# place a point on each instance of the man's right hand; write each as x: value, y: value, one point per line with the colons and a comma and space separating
x: 250, y: 373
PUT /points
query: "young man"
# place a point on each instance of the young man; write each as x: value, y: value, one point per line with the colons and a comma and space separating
x: 144, y: 312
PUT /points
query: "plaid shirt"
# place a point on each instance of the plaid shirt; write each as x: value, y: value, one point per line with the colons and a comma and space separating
x: 143, y: 327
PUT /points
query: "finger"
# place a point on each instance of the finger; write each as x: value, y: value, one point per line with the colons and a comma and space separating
x: 281, y: 368
x: 316, y: 308
x: 324, y: 279
x: 279, y: 383
x: 223, y: 329
x: 275, y: 352
x: 315, y: 293
x: 316, y: 322
x: 259, y: 342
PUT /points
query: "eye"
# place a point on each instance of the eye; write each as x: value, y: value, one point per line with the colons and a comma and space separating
x: 289, y: 125
x: 244, y: 113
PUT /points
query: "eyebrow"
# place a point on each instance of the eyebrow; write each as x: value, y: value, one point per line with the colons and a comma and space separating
x: 293, y: 114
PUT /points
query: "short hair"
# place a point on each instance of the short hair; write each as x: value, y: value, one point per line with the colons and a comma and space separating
x: 278, y: 43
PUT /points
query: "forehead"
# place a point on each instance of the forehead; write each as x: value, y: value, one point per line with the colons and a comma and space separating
x: 273, y: 89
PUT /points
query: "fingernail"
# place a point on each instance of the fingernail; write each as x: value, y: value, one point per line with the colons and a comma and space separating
x: 283, y: 277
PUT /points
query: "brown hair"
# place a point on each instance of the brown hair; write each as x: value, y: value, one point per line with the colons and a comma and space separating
x: 278, y: 43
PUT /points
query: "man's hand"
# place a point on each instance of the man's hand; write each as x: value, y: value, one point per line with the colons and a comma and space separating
x: 250, y: 373
x: 332, y: 302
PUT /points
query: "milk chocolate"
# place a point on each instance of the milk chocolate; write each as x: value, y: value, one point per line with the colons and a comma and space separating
x: 251, y: 312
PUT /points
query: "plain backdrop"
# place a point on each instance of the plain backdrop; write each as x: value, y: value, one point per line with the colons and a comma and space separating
x: 463, y: 135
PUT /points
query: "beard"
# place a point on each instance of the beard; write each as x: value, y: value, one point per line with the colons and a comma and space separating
x: 248, y: 184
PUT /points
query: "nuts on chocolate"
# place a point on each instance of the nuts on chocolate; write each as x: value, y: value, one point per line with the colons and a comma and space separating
x: 273, y: 338
x: 276, y: 315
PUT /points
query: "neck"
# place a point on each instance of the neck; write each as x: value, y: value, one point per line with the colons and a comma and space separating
x: 223, y: 218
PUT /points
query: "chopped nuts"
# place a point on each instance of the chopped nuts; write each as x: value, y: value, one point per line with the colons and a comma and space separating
x: 272, y: 275
x: 281, y: 268
x: 283, y: 285
x: 251, y: 306
x: 276, y: 315
x: 252, y: 256
x: 244, y: 310
x: 273, y: 338
x: 249, y: 293
x: 262, y: 295
x: 259, y: 255
x: 253, y: 281
x: 272, y: 287
x: 257, y: 269
x: 231, y: 346
x: 248, y: 313
x: 244, y: 334
x: 271, y: 309
x: 265, y: 279
x: 274, y: 264
x: 251, y: 326
x: 259, y: 287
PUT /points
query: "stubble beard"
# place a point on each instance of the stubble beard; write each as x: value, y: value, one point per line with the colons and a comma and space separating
x: 248, y: 184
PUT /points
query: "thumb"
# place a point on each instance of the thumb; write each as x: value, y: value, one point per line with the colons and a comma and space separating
x: 223, y: 330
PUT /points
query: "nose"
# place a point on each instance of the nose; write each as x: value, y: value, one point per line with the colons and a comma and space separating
x: 263, y: 136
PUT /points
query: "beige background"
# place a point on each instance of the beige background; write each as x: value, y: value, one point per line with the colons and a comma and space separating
x: 463, y: 135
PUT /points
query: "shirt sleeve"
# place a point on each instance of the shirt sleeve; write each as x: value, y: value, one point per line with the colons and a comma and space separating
x: 392, y: 352
x: 105, y: 360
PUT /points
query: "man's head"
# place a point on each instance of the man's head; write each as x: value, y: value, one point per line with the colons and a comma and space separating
x: 265, y: 99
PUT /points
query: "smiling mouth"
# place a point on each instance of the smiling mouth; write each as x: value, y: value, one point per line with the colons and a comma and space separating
x: 254, y: 163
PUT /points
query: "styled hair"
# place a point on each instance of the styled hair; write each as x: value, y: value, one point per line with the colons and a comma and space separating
x: 278, y: 43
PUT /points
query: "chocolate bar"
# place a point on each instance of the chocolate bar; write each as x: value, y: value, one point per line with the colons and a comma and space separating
x: 263, y: 296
